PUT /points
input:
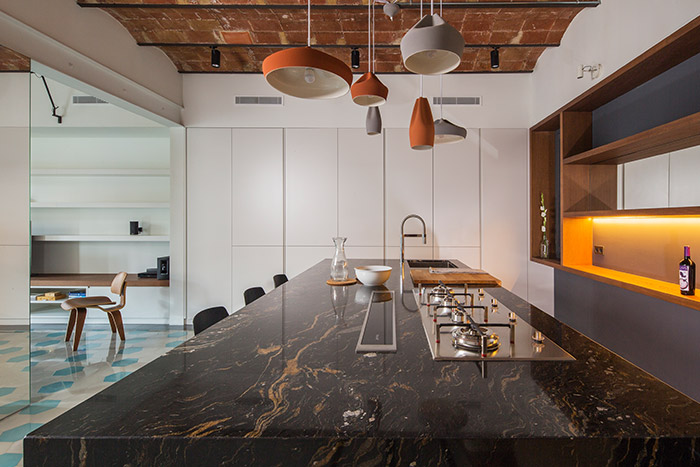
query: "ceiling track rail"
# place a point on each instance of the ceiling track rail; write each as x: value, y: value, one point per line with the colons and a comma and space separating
x: 327, y: 46
x: 403, y: 5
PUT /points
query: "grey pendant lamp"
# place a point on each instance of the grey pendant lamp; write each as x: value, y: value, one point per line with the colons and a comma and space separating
x: 445, y: 130
x: 432, y: 46
x: 373, y: 122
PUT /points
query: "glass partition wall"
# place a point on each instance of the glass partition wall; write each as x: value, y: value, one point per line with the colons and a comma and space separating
x: 14, y: 232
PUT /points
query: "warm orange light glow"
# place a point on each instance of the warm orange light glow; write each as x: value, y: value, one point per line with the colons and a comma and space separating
x: 647, y: 220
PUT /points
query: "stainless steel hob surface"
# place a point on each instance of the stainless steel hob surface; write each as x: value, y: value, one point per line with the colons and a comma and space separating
x: 472, y: 326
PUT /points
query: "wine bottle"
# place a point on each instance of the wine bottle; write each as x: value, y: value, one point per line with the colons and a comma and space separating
x: 686, y: 273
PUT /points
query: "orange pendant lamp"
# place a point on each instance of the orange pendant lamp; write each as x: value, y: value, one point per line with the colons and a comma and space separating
x: 369, y: 91
x: 421, y: 131
x: 307, y: 73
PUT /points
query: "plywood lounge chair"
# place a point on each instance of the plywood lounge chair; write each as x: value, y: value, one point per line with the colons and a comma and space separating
x: 78, y: 310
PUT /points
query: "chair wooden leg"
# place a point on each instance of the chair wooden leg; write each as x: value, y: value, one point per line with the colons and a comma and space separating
x: 82, y: 313
x: 120, y: 324
x: 111, y: 323
x: 71, y: 324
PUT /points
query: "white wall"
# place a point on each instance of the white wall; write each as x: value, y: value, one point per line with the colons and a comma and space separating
x: 612, y: 34
x: 14, y: 198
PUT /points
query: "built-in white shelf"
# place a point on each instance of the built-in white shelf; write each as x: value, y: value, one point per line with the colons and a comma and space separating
x: 102, y: 172
x: 101, y: 238
x: 40, y: 204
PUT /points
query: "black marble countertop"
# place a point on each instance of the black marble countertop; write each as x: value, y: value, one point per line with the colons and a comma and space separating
x: 279, y: 383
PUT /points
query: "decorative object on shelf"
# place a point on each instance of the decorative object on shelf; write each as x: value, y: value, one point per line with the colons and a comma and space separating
x: 544, y: 244
x: 391, y: 9
x: 307, y: 73
x: 373, y: 121
x: 686, y: 273
x: 432, y: 46
x: 368, y: 90
x: 134, y: 228
x: 339, y: 263
x: 445, y: 130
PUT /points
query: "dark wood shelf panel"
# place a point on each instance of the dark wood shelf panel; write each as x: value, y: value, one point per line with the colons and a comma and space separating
x: 652, y: 212
x: 92, y: 280
x: 679, y: 134
x: 547, y: 262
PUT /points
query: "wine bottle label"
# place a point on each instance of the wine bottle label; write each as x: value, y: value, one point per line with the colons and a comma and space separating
x: 683, y: 277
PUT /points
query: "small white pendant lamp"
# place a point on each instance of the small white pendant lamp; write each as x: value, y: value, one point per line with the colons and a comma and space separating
x: 445, y: 130
x: 373, y: 122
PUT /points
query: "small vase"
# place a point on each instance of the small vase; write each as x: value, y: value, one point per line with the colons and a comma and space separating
x: 339, y: 264
x: 544, y: 247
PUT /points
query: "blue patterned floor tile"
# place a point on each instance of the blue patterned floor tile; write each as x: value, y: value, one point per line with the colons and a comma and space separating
x: 47, y: 343
x: 55, y: 334
x: 174, y: 344
x: 68, y: 371
x: 113, y: 378
x: 4, y: 342
x: 10, y: 350
x: 13, y: 406
x: 18, y: 432
x: 19, y: 358
x: 10, y: 459
x: 6, y: 391
x: 135, y: 339
x: 81, y: 357
x: 38, y: 353
x: 41, y: 406
x: 130, y: 350
x: 178, y: 334
x: 26, y: 368
x: 55, y: 387
x: 125, y: 362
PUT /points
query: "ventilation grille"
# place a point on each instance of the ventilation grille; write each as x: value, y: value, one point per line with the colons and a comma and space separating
x: 259, y: 100
x: 457, y: 100
x: 88, y: 100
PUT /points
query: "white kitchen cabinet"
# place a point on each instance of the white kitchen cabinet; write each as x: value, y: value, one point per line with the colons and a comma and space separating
x: 311, y: 186
x: 14, y: 277
x: 471, y: 256
x: 504, y: 208
x: 300, y: 258
x: 409, y: 190
x: 456, y: 191
x: 360, y: 187
x: 258, y: 171
x: 254, y: 267
x: 364, y: 252
x: 14, y: 186
x: 412, y: 252
x: 208, y: 219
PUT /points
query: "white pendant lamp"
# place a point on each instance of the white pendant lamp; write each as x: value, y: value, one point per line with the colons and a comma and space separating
x: 373, y: 122
x: 445, y: 130
x: 307, y: 73
x: 368, y: 90
x: 432, y: 46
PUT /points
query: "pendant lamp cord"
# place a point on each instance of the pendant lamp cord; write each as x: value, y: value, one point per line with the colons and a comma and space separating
x: 374, y: 43
x: 308, y: 27
x: 440, y: 75
x: 369, y: 36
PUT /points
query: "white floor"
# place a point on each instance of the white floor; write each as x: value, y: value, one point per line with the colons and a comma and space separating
x: 61, y: 378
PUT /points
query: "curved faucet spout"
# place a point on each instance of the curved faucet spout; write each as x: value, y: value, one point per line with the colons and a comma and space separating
x: 404, y: 235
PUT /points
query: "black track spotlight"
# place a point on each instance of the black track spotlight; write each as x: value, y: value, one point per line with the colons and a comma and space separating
x: 355, y: 58
x: 494, y: 58
x: 215, y: 57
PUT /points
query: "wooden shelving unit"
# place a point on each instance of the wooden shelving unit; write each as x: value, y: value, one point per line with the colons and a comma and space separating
x: 69, y: 205
x: 101, y: 172
x: 585, y: 184
x: 100, y: 238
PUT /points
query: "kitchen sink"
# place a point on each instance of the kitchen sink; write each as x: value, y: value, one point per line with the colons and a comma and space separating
x: 430, y: 263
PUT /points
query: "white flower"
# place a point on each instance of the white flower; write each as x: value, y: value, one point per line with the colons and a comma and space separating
x: 541, y: 208
x: 544, y: 214
x: 544, y: 229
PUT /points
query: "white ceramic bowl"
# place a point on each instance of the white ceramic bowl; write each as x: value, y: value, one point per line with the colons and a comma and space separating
x: 373, y: 275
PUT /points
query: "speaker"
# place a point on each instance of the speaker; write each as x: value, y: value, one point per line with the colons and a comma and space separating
x: 163, y: 268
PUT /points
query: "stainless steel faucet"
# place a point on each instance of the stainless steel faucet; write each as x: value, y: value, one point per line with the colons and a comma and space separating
x: 404, y: 235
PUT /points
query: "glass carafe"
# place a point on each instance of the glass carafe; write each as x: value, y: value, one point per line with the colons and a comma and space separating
x: 339, y: 264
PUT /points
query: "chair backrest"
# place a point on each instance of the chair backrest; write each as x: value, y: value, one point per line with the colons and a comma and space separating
x: 252, y: 294
x: 119, y: 287
x: 279, y: 279
x: 208, y: 317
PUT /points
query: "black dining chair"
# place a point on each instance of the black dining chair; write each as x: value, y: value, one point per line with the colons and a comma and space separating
x: 208, y: 317
x: 279, y: 279
x: 252, y: 294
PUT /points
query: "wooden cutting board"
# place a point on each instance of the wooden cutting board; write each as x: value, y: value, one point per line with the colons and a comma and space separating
x: 423, y: 276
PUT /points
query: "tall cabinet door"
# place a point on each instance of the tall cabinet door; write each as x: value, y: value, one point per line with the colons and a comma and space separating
x: 311, y: 165
x: 361, y: 192
x: 258, y: 209
x: 208, y: 219
x: 505, y: 206
x: 409, y: 190
x: 456, y: 205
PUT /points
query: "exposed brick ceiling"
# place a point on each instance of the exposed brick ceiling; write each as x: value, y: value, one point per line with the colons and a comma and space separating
x: 250, y: 30
x: 12, y: 61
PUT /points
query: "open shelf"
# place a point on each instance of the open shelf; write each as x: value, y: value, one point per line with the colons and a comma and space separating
x: 678, y: 134
x: 63, y: 205
x: 653, y: 212
x: 101, y: 238
x: 102, y: 172
x: 662, y: 290
x: 546, y: 262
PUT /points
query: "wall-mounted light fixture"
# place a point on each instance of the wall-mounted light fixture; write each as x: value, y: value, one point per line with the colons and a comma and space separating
x: 594, y: 70
x: 495, y: 62
x: 391, y: 10
x: 355, y: 58
x: 215, y: 57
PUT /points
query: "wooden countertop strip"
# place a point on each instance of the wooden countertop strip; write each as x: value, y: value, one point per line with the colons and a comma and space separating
x: 92, y: 280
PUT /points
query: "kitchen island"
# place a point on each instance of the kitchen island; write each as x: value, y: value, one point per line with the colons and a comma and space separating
x: 280, y: 383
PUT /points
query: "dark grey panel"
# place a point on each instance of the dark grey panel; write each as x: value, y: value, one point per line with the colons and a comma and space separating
x: 659, y: 337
